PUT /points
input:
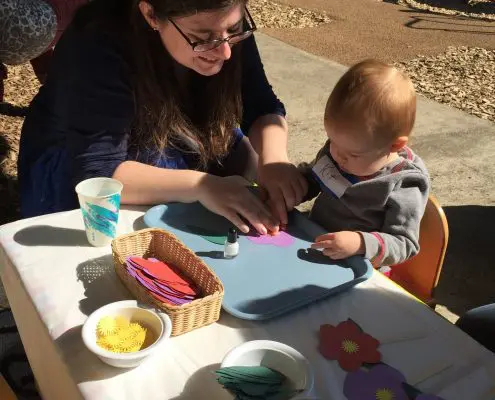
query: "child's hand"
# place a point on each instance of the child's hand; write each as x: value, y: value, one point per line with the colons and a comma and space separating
x: 340, y: 245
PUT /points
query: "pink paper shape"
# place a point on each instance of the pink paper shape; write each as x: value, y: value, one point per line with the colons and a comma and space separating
x: 282, y: 239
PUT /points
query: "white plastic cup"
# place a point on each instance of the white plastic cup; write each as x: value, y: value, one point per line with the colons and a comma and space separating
x: 99, y: 199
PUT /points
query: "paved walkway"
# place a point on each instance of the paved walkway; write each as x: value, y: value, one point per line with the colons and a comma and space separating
x: 380, y: 29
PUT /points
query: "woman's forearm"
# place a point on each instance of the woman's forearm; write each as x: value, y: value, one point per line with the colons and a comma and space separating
x: 269, y: 136
x: 145, y: 184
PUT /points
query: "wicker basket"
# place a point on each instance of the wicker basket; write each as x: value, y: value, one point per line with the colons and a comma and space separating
x: 166, y: 247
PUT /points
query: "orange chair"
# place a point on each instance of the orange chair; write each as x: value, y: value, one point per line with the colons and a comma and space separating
x: 6, y: 392
x: 419, y: 275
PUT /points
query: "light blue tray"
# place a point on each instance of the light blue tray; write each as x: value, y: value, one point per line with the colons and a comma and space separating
x: 263, y: 281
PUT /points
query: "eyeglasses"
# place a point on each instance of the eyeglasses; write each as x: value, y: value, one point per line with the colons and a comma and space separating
x: 207, y: 45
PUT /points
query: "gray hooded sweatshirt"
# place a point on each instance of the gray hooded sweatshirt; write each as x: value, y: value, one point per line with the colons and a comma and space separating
x: 385, y: 208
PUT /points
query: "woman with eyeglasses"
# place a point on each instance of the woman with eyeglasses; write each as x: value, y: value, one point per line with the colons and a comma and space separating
x: 169, y: 97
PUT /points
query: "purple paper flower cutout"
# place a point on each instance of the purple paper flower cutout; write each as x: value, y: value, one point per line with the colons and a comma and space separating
x: 382, y: 382
x: 427, y: 397
x: 281, y: 239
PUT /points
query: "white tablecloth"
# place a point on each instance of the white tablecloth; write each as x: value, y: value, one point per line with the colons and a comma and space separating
x: 54, y: 280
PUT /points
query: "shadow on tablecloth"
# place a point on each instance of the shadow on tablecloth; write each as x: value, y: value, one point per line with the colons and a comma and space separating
x: 139, y: 224
x: 84, y: 365
x: 201, y: 382
x: 46, y: 235
x: 101, y: 285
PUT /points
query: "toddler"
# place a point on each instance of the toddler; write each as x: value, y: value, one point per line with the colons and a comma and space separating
x: 372, y: 189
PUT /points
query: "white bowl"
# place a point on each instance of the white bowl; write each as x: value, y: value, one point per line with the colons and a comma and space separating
x: 277, y: 356
x: 158, y: 324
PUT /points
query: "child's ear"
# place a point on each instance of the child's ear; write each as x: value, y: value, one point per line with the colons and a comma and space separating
x: 398, y: 144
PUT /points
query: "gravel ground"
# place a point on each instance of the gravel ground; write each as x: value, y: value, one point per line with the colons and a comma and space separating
x: 462, y: 77
x: 20, y: 87
x: 269, y: 14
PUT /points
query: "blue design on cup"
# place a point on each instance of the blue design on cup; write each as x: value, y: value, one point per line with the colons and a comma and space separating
x: 102, y: 213
x: 100, y: 219
x: 114, y: 200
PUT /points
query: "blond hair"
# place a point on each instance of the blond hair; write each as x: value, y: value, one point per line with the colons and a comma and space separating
x: 374, y: 96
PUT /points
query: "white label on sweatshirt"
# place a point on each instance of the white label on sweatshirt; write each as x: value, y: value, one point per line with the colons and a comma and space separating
x: 330, y: 176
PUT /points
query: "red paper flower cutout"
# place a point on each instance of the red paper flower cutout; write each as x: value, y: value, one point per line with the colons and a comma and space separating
x: 349, y: 345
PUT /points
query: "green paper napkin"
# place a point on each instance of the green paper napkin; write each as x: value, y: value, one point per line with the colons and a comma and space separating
x: 255, y: 383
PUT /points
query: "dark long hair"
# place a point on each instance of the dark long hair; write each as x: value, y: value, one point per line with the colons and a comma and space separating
x: 201, y: 125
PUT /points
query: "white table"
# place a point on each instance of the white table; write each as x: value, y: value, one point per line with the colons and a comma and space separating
x: 54, y: 279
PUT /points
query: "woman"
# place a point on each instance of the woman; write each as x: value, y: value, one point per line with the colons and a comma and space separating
x: 153, y: 94
x: 479, y: 323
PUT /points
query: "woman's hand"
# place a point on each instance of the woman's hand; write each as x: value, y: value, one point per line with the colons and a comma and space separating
x: 230, y: 197
x: 285, y: 185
